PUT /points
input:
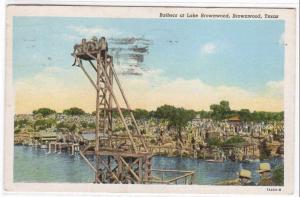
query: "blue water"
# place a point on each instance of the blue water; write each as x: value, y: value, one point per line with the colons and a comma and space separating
x: 34, y: 165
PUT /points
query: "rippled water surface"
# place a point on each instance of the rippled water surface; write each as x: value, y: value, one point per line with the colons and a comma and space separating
x: 35, y: 165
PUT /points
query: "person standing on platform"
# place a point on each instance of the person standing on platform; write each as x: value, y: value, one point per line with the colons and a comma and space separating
x: 103, y: 48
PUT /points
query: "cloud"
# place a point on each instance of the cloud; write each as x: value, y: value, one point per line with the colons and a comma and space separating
x: 59, y: 89
x: 208, y: 48
x: 195, y: 94
x: 56, y: 88
x: 275, y: 89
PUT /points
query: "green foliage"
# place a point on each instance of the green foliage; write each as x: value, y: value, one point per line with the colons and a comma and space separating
x: 92, y: 125
x: 43, y: 124
x: 265, y: 152
x: 151, y: 114
x: 221, y: 111
x: 72, y: 127
x: 153, y: 141
x: 176, y: 117
x: 130, y: 127
x: 118, y: 129
x: 44, y: 112
x: 84, y: 124
x: 74, y: 111
x: 17, y: 130
x: 20, y: 123
x: 69, y: 126
x: 140, y: 114
x: 164, y: 112
x: 204, y: 114
x: 30, y: 130
x: 234, y: 140
x: 217, y: 112
x: 267, y: 116
x: 61, y: 125
x: 115, y: 113
x: 181, y: 117
x: 213, y: 141
x: 245, y: 115
x: 278, y: 175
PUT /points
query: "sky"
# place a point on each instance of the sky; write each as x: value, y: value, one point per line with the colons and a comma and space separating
x: 188, y: 63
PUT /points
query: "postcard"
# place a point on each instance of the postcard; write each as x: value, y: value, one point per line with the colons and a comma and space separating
x: 150, y: 99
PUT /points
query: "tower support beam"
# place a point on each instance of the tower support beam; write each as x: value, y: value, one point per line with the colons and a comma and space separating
x: 115, y: 161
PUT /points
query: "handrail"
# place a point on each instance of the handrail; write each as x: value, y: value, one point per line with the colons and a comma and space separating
x: 180, y: 177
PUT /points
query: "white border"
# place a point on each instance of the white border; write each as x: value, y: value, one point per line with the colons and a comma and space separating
x: 233, y: 190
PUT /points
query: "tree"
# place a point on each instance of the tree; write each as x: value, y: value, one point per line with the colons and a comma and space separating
x: 204, y: 114
x: 43, y: 111
x: 213, y: 141
x: 21, y: 123
x: 245, y: 115
x: 72, y: 128
x: 234, y: 140
x: 92, y: 125
x: 74, y: 111
x: 265, y: 152
x: 61, y: 125
x: 84, y: 124
x: 260, y: 116
x: 43, y: 124
x: 221, y: 111
x: 140, y: 114
x: 164, y: 112
x: 176, y: 117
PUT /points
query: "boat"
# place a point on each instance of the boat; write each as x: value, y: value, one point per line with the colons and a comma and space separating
x: 215, y: 161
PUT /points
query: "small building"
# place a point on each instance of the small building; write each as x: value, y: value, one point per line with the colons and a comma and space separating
x: 234, y: 119
x: 44, y: 136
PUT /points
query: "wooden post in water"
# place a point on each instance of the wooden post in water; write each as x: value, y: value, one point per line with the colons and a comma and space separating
x: 49, y: 147
x: 55, y: 147
x: 141, y: 169
x: 60, y: 147
x: 72, y: 149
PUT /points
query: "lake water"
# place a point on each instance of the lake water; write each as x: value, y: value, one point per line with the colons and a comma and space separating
x: 34, y: 165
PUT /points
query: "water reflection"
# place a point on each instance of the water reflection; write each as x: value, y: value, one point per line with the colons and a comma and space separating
x: 35, y: 165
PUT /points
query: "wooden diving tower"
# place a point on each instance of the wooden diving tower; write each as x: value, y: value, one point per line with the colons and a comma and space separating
x: 115, y: 161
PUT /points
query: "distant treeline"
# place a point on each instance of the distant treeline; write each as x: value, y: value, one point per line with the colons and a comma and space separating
x: 222, y: 111
x: 179, y: 115
x: 74, y: 111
